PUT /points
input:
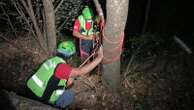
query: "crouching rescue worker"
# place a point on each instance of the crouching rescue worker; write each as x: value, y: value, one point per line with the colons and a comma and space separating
x: 51, y: 80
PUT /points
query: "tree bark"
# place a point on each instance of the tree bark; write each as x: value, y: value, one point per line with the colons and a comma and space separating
x: 50, y: 25
x: 117, y: 11
x: 12, y: 101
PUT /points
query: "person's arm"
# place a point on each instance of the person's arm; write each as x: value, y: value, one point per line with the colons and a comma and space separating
x: 80, y: 36
x: 88, y: 67
x: 70, y: 82
x: 77, y: 34
x: 100, y: 13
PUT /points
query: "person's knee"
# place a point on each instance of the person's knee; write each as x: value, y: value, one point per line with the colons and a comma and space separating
x: 67, y: 98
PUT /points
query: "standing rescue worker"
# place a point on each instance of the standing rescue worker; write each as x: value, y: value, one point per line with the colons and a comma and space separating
x: 51, y: 80
x: 85, y: 29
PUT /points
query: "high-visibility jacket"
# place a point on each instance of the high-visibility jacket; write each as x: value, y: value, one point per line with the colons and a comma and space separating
x: 44, y: 84
x: 83, y: 30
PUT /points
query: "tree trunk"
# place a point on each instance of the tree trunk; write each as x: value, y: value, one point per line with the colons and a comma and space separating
x: 50, y: 25
x: 29, y: 9
x: 117, y: 11
x: 12, y: 101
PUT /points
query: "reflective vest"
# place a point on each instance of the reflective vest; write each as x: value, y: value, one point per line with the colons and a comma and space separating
x: 44, y: 77
x: 83, y: 30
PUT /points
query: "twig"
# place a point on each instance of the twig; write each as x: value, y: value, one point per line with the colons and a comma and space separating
x: 8, y: 18
x: 84, y: 90
x: 21, y: 13
x: 61, y: 26
x: 87, y: 81
x: 182, y: 44
x: 132, y: 59
x: 58, y: 5
x: 129, y: 65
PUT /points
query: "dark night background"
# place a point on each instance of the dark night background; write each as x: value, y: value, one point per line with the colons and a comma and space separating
x: 169, y: 17
x: 165, y: 16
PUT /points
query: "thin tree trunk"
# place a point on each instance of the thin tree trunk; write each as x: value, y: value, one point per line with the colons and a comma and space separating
x: 50, y: 25
x: 29, y: 10
x: 12, y: 101
x: 117, y: 11
x: 146, y: 16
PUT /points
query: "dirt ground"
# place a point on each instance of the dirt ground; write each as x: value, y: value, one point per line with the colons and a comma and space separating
x: 159, y: 82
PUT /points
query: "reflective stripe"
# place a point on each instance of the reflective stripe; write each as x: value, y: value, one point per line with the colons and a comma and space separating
x: 62, y: 60
x: 45, y: 65
x: 84, y: 33
x: 59, y: 92
x: 52, y: 64
x: 37, y: 80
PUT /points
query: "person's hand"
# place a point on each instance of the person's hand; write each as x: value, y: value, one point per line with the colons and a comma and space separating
x: 70, y: 82
x: 92, y: 37
x: 97, y: 37
x: 100, y: 52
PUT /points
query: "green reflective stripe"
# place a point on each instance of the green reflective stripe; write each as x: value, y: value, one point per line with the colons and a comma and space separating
x: 37, y: 80
x: 49, y: 65
x: 52, y: 64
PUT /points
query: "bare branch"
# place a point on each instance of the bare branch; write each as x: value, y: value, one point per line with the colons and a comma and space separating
x: 25, y: 6
x: 21, y: 13
x: 32, y: 16
x: 183, y: 45
x: 59, y: 5
x: 127, y: 71
x: 9, y: 21
x: 30, y: 12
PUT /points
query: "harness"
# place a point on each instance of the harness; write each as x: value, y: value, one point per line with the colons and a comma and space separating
x: 83, y: 30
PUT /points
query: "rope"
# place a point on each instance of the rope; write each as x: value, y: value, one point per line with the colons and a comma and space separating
x: 117, y: 49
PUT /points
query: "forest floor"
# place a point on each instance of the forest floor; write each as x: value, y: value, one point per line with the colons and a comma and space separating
x: 160, y: 81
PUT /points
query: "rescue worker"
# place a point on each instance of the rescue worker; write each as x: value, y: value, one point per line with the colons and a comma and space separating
x: 85, y: 29
x: 50, y: 82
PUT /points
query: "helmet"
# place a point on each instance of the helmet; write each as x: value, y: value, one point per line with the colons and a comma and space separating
x: 87, y: 13
x: 66, y: 48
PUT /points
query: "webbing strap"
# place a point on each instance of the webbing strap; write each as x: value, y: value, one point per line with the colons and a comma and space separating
x: 51, y: 86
